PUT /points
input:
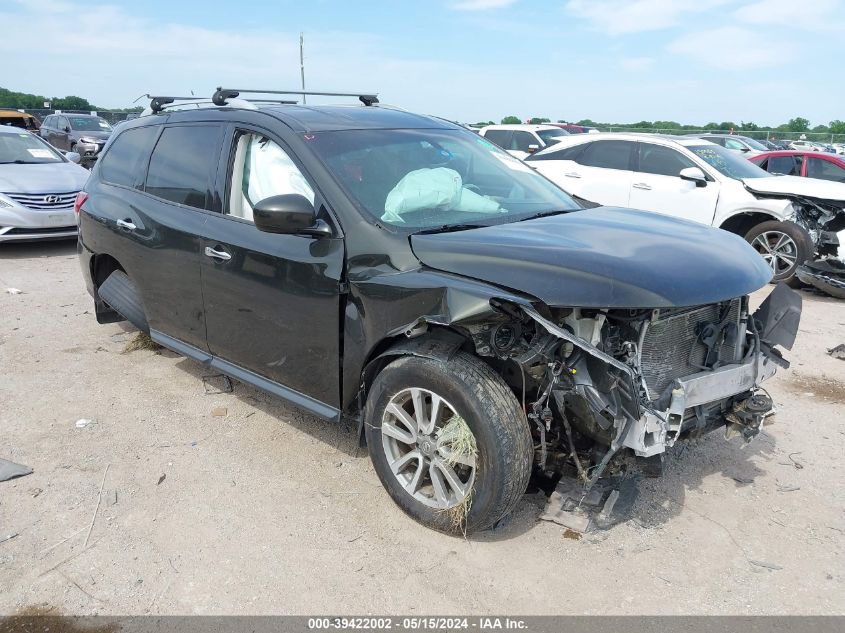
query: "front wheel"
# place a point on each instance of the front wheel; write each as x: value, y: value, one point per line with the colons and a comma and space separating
x: 448, y: 441
x: 784, y: 246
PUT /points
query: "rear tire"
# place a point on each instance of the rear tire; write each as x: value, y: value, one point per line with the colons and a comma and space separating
x: 464, y: 387
x: 784, y: 246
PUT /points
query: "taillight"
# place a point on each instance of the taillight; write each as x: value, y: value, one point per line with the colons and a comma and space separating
x: 81, y: 197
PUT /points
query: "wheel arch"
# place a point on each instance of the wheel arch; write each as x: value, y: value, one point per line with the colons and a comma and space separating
x: 439, y: 343
x: 741, y: 223
x: 101, y: 266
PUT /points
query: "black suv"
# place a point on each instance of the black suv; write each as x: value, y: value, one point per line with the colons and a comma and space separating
x: 399, y: 271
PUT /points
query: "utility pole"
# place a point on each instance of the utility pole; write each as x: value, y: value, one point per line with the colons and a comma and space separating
x: 302, y: 63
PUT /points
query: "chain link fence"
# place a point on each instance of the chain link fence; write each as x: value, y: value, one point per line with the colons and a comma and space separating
x: 767, y: 135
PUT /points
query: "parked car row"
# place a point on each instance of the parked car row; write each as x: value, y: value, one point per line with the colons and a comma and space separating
x: 789, y: 220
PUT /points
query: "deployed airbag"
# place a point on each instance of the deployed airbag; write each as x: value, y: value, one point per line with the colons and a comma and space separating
x: 439, y: 188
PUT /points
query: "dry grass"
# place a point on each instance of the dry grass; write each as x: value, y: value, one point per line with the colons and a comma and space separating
x: 141, y: 341
x: 461, y: 443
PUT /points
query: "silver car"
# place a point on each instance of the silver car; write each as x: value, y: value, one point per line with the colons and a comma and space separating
x: 38, y: 187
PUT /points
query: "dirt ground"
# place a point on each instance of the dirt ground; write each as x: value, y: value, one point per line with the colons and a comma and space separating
x: 266, y: 510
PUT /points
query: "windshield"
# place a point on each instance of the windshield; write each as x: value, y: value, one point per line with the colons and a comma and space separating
x: 25, y: 147
x: 552, y: 136
x: 89, y: 124
x: 729, y: 163
x: 431, y: 178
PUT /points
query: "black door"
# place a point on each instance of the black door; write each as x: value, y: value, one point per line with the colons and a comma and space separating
x: 163, y: 224
x: 271, y: 301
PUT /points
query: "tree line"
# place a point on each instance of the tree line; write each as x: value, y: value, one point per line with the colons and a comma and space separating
x: 27, y: 101
x: 795, y: 125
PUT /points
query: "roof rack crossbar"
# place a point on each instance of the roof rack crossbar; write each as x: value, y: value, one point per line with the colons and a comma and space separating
x: 223, y: 94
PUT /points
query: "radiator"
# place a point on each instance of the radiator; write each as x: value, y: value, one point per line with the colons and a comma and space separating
x: 671, y: 348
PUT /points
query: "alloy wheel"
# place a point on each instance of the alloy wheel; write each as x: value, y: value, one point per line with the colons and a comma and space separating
x: 778, y: 249
x: 420, y: 436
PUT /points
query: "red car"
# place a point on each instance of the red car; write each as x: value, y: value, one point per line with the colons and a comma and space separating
x: 797, y: 163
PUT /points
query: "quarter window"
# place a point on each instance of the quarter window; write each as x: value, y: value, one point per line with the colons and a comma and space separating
x: 608, y: 154
x: 261, y: 169
x: 183, y: 164
x: 663, y: 161
x: 126, y: 160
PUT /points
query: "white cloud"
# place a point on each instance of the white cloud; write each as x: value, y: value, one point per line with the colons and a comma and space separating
x: 636, y: 64
x: 728, y: 48
x: 814, y: 15
x: 482, y: 5
x: 617, y: 17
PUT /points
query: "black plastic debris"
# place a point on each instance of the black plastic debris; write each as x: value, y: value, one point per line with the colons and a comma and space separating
x: 606, y: 504
x: 11, y: 470
x: 826, y: 275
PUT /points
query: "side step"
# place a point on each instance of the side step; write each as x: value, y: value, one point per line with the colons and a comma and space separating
x: 122, y: 295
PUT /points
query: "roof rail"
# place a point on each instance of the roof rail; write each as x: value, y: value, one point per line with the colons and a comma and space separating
x: 222, y: 95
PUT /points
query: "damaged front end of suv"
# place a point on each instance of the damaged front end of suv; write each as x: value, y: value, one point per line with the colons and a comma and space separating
x: 636, y: 338
x: 598, y: 381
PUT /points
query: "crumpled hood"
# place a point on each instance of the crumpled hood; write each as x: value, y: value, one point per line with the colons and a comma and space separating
x: 42, y: 178
x: 602, y: 258
x: 789, y: 186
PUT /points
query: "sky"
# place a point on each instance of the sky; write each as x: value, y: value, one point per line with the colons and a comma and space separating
x: 691, y: 61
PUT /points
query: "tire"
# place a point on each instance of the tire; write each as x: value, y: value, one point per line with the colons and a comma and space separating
x: 503, y: 441
x: 784, y: 246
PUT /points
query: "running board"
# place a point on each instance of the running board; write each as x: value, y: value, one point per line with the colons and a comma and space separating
x: 122, y: 296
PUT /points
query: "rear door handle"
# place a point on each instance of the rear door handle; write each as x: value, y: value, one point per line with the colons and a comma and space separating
x: 572, y: 174
x: 126, y: 224
x: 221, y: 255
x: 642, y: 185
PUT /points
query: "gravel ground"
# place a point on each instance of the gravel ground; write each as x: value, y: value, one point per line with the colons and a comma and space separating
x: 266, y: 510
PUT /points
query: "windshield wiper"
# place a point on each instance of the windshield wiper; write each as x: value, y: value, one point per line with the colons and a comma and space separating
x: 19, y: 162
x: 449, y: 228
x: 545, y: 214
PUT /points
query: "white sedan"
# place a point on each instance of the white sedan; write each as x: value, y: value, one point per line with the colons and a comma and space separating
x: 788, y: 219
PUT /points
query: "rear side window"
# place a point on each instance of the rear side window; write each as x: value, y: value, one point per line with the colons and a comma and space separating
x: 502, y: 138
x: 608, y: 154
x: 183, y: 164
x: 788, y: 165
x: 663, y: 161
x: 126, y: 160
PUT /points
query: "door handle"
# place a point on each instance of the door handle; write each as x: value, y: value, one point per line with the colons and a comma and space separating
x: 221, y: 255
x: 126, y: 224
x: 572, y: 174
x: 642, y: 185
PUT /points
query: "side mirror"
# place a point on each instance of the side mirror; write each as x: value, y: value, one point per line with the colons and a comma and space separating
x: 67, y: 129
x: 73, y: 157
x: 533, y: 148
x: 289, y: 214
x: 694, y: 174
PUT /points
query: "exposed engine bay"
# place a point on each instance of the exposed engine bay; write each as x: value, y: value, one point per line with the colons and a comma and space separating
x: 601, y: 383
